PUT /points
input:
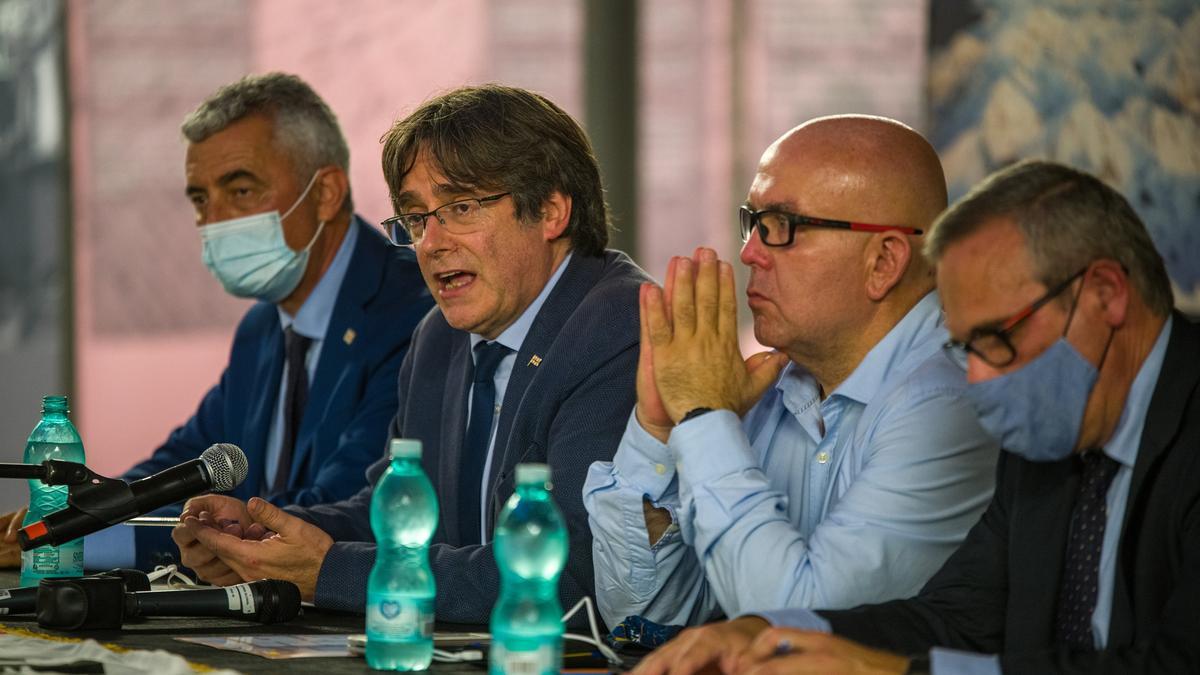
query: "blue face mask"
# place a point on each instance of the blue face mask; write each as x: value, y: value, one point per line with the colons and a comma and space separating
x: 250, y: 256
x: 1036, y: 412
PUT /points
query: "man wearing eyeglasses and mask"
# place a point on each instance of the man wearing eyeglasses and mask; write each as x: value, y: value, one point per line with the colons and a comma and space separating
x: 841, y: 468
x: 529, y: 357
x: 1086, y: 560
x: 310, y: 385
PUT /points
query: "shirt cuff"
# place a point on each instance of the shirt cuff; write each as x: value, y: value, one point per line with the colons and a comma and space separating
x: 944, y: 661
x: 718, y: 429
x: 796, y: 617
x: 643, y: 461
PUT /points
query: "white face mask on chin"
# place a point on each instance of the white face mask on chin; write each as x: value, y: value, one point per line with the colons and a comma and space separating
x: 250, y: 256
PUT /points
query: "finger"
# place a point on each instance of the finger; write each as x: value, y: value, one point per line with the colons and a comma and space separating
x: 767, y: 644
x: 234, y: 530
x: 14, y: 524
x: 657, y: 328
x: 256, y: 532
x: 797, y: 664
x: 683, y: 298
x: 763, y: 369
x: 708, y: 291
x: 727, y: 308
x: 274, y: 518
x: 669, y: 283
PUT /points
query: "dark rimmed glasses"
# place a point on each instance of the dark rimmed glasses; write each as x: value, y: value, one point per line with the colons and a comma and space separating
x: 461, y: 216
x: 778, y: 228
x: 994, y: 344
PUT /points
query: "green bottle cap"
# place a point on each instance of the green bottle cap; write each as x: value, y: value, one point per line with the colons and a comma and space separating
x: 405, y: 448
x: 533, y: 473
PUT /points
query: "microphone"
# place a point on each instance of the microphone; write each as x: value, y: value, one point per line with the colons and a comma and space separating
x: 264, y: 601
x: 23, y: 600
x: 102, y: 502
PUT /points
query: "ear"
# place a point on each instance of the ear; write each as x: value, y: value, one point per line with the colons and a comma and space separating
x: 1107, y: 284
x: 887, y: 255
x: 556, y: 215
x: 332, y: 187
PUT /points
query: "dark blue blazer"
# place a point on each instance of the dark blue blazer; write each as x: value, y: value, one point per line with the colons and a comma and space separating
x: 567, y: 407
x: 351, y: 398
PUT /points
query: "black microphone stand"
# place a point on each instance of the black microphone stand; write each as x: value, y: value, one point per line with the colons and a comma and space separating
x: 50, y: 472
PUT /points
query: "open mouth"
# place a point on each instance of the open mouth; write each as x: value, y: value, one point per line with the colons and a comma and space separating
x: 453, y: 280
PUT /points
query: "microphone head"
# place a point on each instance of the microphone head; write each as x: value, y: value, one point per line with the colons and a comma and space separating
x: 227, y: 466
x: 280, y: 600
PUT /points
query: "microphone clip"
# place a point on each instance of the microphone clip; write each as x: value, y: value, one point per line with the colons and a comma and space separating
x: 90, y: 497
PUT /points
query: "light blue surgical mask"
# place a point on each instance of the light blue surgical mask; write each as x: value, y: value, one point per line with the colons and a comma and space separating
x: 250, y: 256
x: 1036, y: 412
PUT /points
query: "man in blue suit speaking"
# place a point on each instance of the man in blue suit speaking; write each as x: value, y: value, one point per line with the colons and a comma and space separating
x: 529, y: 357
x: 310, y: 384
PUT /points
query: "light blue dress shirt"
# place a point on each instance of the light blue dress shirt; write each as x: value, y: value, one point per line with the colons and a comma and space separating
x: 1123, y: 447
x: 113, y: 547
x: 311, y: 321
x: 512, y: 337
x: 808, y: 502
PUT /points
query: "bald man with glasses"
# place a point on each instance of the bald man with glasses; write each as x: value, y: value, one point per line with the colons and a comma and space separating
x: 840, y: 468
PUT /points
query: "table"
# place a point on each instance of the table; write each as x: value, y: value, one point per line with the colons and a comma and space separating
x: 159, y: 633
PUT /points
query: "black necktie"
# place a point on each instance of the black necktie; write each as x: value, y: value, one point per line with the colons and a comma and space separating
x: 479, y: 432
x: 295, y: 396
x: 1081, y: 569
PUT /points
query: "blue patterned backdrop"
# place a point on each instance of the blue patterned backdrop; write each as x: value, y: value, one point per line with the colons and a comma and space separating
x: 1111, y: 87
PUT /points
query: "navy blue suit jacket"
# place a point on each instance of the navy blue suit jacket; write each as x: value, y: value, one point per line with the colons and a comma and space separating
x: 351, y: 398
x: 567, y: 409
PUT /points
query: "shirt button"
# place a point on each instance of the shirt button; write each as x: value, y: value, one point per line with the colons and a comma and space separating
x: 822, y: 457
x: 660, y: 469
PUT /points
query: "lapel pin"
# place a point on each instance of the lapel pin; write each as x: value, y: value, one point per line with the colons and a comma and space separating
x: 534, y: 361
x: 348, y: 336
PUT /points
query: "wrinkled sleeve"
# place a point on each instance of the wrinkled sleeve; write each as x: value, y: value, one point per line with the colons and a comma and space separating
x: 663, y: 581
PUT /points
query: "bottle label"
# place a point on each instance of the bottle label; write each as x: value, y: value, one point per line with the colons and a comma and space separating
x: 397, y: 617
x: 541, y: 661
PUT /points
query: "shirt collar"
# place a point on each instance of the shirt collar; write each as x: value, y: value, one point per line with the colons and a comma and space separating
x: 514, y: 336
x: 1123, y: 446
x: 906, y: 343
x: 313, y: 318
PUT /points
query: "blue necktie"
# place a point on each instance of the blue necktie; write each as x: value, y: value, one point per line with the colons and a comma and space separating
x: 1081, y: 569
x: 479, y: 431
x: 295, y: 398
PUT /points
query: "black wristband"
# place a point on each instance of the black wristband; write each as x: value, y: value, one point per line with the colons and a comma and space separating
x: 694, y: 413
x: 918, y: 665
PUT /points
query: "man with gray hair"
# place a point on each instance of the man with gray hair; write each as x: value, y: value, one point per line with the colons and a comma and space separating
x: 1086, y: 559
x: 311, y: 382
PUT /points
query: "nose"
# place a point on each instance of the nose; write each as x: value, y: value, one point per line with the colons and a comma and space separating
x: 754, y: 252
x: 434, y: 238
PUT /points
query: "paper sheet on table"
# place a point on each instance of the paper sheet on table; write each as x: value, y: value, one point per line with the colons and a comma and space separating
x: 278, y: 646
x: 18, y: 648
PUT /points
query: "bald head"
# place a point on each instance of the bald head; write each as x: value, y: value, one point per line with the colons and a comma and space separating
x: 862, y: 168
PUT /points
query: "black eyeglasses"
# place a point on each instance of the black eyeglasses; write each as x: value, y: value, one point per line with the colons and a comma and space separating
x: 778, y: 228
x: 462, y: 216
x: 993, y: 344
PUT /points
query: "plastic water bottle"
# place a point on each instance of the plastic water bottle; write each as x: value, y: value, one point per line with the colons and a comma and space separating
x: 54, y: 437
x: 531, y: 550
x: 400, y: 590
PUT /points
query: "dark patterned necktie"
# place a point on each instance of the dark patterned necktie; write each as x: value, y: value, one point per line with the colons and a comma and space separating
x: 1081, y: 569
x: 479, y: 432
x: 295, y: 397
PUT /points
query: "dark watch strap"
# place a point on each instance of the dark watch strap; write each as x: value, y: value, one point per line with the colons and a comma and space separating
x: 694, y: 413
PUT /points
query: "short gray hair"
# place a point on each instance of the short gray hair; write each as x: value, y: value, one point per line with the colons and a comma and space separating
x: 1069, y: 219
x: 305, y: 128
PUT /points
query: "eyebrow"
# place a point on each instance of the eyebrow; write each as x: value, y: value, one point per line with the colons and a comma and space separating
x: 444, y: 189
x: 226, y: 179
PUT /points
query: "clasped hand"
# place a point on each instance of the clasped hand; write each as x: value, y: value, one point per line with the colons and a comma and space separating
x: 689, y: 353
x: 227, y: 541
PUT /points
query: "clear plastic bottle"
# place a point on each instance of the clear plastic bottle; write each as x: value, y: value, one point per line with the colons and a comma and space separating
x: 531, y: 550
x: 400, y: 590
x: 54, y: 437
